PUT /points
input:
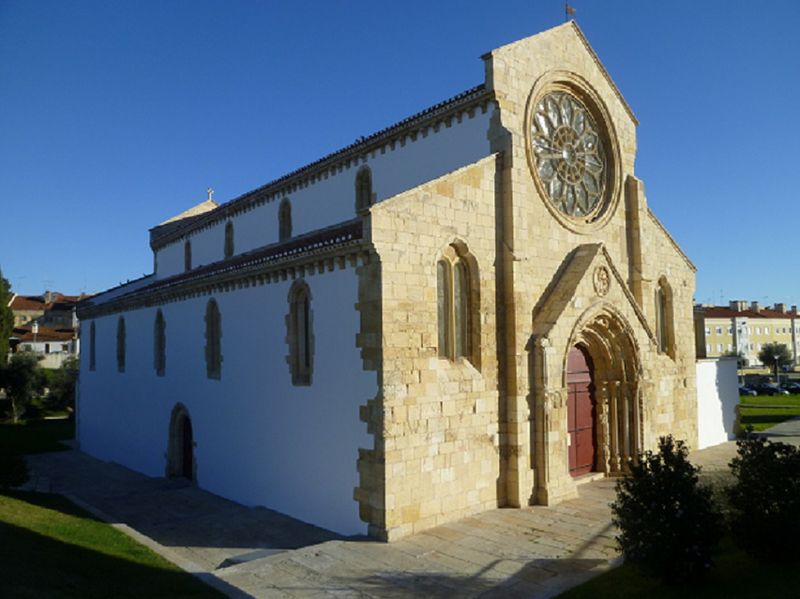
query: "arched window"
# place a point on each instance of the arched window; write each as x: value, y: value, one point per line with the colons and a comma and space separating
x: 664, y: 325
x: 284, y: 220
x: 187, y: 255
x: 213, y: 340
x: 121, y: 344
x: 92, y: 350
x: 228, y: 239
x: 363, y: 189
x: 160, y: 344
x: 457, y: 303
x: 444, y: 309
x: 300, y: 335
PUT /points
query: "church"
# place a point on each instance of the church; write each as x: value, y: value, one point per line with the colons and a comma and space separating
x: 471, y: 308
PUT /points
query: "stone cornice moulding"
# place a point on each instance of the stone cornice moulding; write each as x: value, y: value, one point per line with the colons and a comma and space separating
x: 350, y: 254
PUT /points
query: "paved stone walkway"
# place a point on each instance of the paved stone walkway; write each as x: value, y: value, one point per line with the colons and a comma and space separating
x: 530, y: 552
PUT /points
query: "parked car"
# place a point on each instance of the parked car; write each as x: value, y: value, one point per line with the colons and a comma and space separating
x: 791, y: 387
x: 770, y: 389
x: 745, y: 390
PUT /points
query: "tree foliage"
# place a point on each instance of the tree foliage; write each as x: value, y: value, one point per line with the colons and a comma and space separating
x: 775, y: 354
x: 765, y: 499
x: 23, y: 380
x: 668, y: 523
x: 741, y: 361
x: 6, y: 318
x: 61, y: 383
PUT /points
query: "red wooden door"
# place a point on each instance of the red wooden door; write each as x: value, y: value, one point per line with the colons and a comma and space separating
x: 580, y: 412
x: 187, y: 453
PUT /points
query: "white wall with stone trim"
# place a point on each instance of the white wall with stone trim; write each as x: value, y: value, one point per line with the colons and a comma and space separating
x: 717, y: 398
x: 332, y: 200
x: 260, y: 440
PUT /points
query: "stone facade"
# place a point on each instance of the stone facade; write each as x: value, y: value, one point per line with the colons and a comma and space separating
x: 454, y: 438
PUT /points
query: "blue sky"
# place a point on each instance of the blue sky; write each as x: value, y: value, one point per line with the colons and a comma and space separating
x: 117, y: 115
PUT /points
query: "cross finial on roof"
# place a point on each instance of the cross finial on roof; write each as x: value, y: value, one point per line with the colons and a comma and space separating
x: 210, y: 191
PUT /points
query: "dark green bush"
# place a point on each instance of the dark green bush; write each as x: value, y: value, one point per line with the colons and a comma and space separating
x: 668, y: 523
x: 765, y: 499
x: 13, y: 468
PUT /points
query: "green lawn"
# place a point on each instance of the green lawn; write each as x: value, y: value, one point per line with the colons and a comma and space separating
x: 735, y: 576
x: 37, y: 436
x: 51, y: 548
x: 766, y: 416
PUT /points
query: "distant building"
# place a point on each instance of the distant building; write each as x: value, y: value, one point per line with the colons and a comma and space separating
x: 745, y: 328
x: 46, y: 324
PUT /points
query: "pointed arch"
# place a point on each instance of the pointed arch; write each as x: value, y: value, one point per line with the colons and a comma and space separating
x: 300, y: 333
x: 458, y: 304
x: 665, y: 329
x: 608, y: 339
x: 181, y: 460
x: 364, y: 195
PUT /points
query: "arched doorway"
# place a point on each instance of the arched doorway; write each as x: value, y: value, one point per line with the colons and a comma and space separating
x: 581, y: 413
x: 605, y: 340
x: 180, y: 454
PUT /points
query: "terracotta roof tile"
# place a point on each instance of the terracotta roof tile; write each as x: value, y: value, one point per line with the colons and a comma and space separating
x: 726, y: 312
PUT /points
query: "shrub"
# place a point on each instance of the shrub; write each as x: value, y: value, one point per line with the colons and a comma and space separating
x: 13, y: 468
x: 668, y: 523
x: 765, y: 499
x: 61, y: 383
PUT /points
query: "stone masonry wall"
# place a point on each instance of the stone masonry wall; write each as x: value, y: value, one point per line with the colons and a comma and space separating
x: 436, y: 424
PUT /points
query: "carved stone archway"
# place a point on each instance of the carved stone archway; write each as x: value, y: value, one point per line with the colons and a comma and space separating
x: 609, y: 340
x: 607, y: 337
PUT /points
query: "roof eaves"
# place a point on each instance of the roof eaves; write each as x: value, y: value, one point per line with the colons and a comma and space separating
x: 474, y: 95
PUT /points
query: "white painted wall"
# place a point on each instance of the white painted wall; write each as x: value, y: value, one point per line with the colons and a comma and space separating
x: 260, y: 440
x: 717, y: 397
x: 332, y: 200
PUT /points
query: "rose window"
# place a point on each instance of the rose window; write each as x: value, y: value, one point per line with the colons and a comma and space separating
x: 568, y: 154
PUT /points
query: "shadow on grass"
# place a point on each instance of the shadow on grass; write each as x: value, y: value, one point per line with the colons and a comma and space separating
x: 735, y: 576
x: 52, y: 548
x: 37, y: 436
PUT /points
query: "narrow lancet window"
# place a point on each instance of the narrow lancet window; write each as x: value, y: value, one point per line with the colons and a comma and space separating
x: 92, y: 347
x: 364, y: 195
x: 300, y: 334
x: 160, y: 344
x: 187, y: 255
x: 213, y: 341
x: 456, y: 303
x: 228, y: 239
x: 121, y: 344
x: 284, y: 220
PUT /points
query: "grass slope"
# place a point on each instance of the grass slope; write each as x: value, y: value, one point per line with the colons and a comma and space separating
x: 51, y: 548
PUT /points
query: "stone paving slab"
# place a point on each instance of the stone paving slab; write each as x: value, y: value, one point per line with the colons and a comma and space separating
x: 529, y: 552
